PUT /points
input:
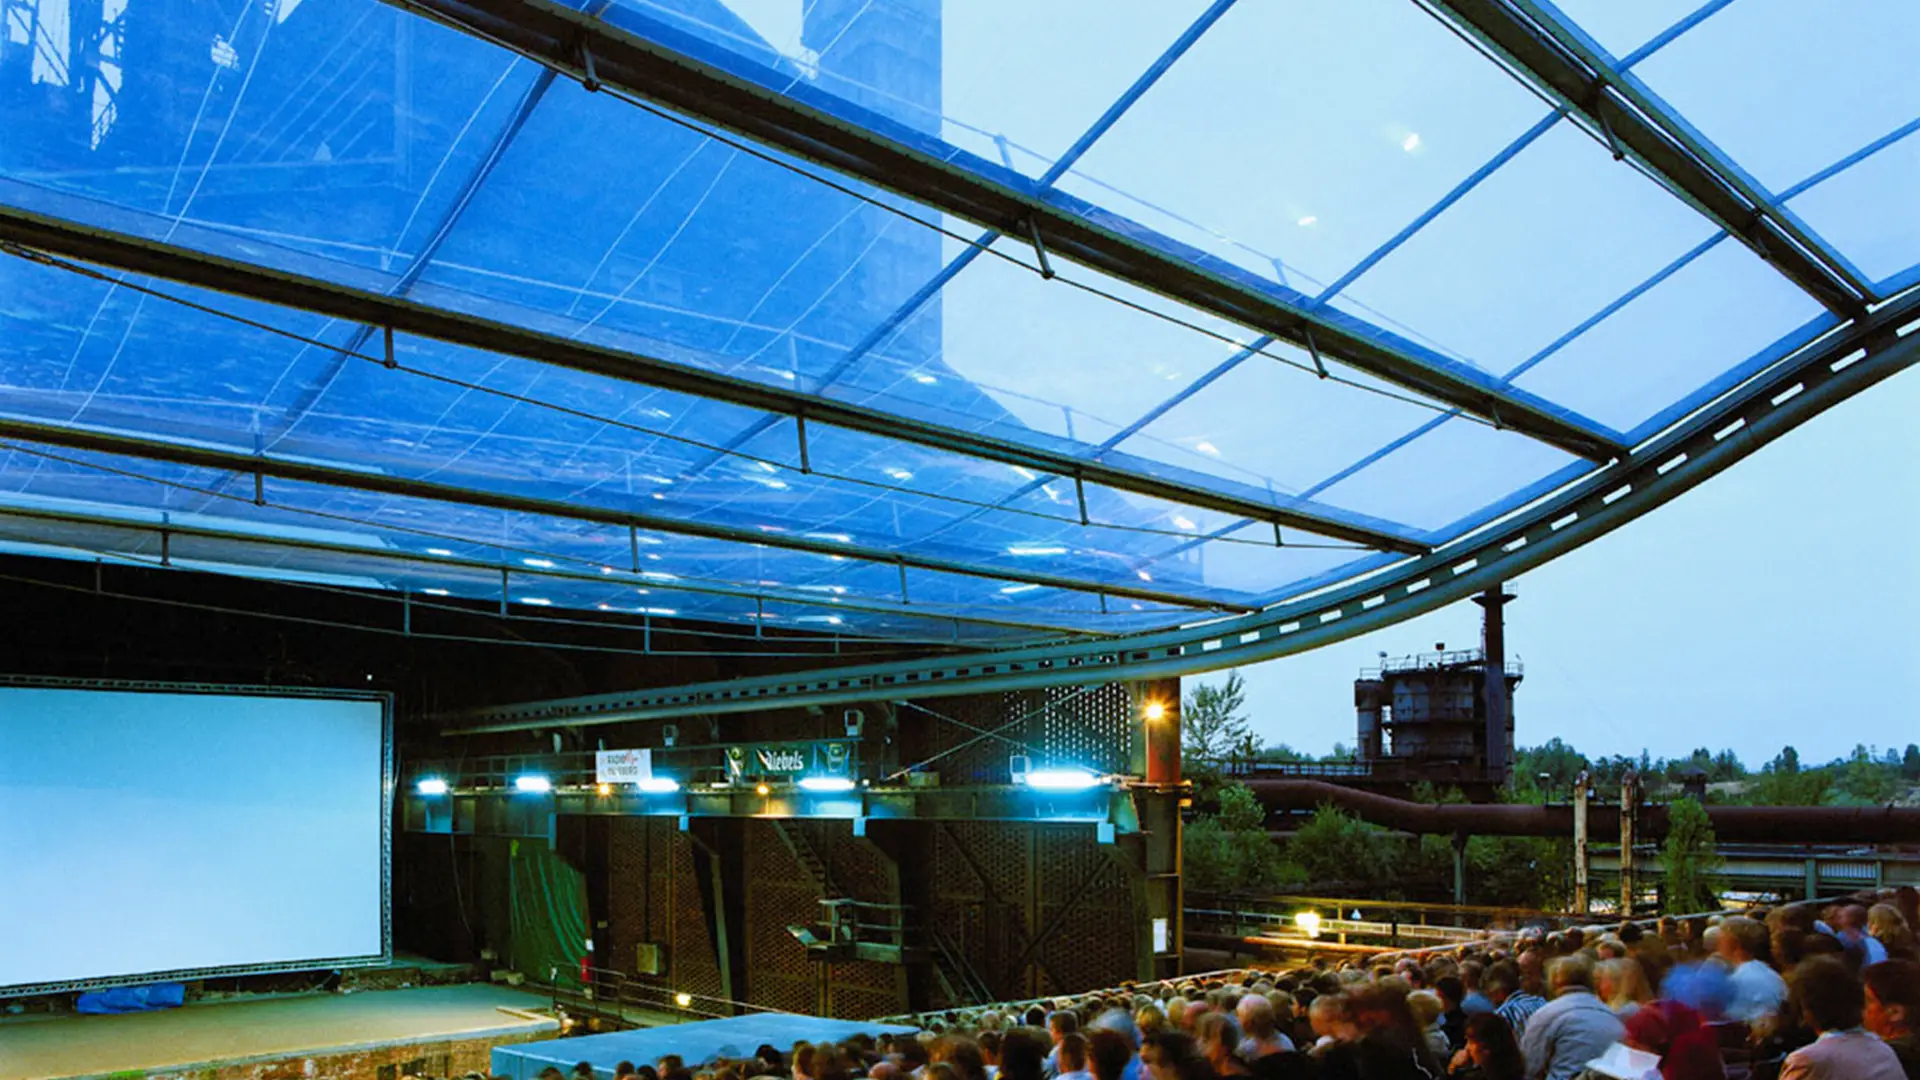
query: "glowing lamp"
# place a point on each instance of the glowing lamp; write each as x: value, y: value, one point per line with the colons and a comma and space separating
x: 826, y: 783
x: 1061, y: 779
x: 659, y: 785
x: 431, y: 785
x: 532, y: 784
x: 1308, y: 922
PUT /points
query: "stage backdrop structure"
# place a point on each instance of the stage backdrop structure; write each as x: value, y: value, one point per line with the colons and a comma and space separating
x: 155, y: 832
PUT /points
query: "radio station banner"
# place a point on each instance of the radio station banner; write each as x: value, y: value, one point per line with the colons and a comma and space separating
x: 787, y: 759
x: 622, y: 766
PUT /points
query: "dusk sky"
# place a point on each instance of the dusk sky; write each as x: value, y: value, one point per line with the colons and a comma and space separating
x: 1772, y: 605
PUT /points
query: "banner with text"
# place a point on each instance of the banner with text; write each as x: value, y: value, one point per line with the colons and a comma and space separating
x: 623, y: 766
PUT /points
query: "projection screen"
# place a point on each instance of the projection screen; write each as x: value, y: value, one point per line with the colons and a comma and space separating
x: 153, y: 832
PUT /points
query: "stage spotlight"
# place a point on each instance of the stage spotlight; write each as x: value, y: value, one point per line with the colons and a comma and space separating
x: 1156, y: 711
x: 1061, y: 779
x: 431, y: 785
x: 1308, y: 922
x: 659, y: 785
x: 532, y: 784
x: 606, y: 789
x: 683, y: 999
x: 826, y: 783
x: 762, y: 789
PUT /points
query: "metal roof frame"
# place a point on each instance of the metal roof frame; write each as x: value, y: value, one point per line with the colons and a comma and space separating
x: 1844, y: 362
x: 1558, y: 60
x: 936, y: 612
x: 570, y: 42
x: 202, y: 455
x: 55, y: 236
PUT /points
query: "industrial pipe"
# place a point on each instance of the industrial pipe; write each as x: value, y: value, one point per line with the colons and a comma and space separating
x: 1731, y: 824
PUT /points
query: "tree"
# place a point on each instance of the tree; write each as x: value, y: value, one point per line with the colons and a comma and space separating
x: 1910, y: 762
x: 1230, y: 851
x: 1212, y: 727
x: 1863, y: 779
x: 1784, y: 783
x: 1336, y: 846
x: 1690, y: 859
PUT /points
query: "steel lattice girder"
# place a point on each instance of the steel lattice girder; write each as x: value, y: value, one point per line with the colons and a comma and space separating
x: 236, y: 461
x: 1825, y: 373
x: 599, y: 575
x: 1546, y: 53
x: 185, y: 265
x: 564, y: 40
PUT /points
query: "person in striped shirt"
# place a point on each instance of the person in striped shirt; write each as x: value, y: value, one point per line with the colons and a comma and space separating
x: 1512, y: 1002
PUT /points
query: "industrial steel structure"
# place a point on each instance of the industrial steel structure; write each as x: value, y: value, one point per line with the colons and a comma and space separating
x: 341, y: 366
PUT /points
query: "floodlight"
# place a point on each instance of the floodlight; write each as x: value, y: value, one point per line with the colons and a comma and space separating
x: 826, y: 783
x: 532, y: 784
x: 659, y: 785
x: 431, y: 785
x: 1061, y: 779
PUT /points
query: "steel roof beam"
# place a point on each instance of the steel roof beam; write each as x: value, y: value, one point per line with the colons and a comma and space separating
x: 1556, y: 60
x: 520, y: 570
x: 201, y: 455
x: 566, y: 40
x: 200, y: 269
x: 1847, y: 361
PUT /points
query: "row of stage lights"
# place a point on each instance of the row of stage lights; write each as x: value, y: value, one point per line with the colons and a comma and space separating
x: 537, y: 784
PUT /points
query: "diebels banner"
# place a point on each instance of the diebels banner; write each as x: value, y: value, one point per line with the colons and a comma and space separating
x: 787, y: 759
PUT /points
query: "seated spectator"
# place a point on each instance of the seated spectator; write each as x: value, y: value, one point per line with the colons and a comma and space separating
x: 1851, y: 928
x: 1758, y: 990
x: 1109, y: 1054
x: 1022, y: 1055
x: 1489, y: 1051
x: 1687, y: 1047
x: 1332, y: 1021
x: 1573, y: 1028
x: 1427, y: 1008
x: 1218, y: 1036
x: 1256, y: 1016
x: 1622, y: 985
x: 1892, y: 1009
x: 1832, y: 1001
x: 1511, y: 1003
x: 1390, y: 1045
x: 1071, y: 1057
x: 1453, y: 1015
x: 963, y: 1054
x: 1173, y: 1055
x: 1887, y: 926
x: 1475, y: 1000
x: 623, y: 1071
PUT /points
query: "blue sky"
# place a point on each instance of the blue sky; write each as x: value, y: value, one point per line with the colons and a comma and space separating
x: 1774, y: 604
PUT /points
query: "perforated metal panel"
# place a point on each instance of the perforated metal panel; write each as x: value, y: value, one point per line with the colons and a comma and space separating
x: 654, y: 895
x: 780, y: 892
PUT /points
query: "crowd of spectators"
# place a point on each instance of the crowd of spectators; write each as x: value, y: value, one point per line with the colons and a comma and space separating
x: 1797, y: 992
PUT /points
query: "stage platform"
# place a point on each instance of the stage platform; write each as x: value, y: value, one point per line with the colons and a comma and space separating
x: 698, y: 1042
x: 441, y: 1030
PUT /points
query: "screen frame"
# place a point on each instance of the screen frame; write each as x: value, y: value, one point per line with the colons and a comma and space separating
x: 383, y: 958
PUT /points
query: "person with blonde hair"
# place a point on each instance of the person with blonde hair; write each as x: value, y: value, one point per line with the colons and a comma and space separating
x: 1427, y: 1008
x: 1886, y: 925
x: 1623, y: 985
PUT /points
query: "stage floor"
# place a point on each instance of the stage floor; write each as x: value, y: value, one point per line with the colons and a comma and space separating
x: 75, y: 1046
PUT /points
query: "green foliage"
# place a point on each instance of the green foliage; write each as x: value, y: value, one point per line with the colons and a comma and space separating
x: 1784, y: 783
x: 1690, y: 859
x: 1910, y: 763
x: 1865, y: 780
x: 1213, y: 727
x: 1336, y: 846
x: 1229, y: 851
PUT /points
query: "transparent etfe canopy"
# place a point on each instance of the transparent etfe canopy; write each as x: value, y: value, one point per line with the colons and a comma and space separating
x: 979, y: 322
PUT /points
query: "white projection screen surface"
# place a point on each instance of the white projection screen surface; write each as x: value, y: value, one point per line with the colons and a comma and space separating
x: 155, y: 834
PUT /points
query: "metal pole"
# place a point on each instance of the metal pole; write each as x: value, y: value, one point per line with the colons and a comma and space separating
x: 1629, y: 809
x: 1581, y: 896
